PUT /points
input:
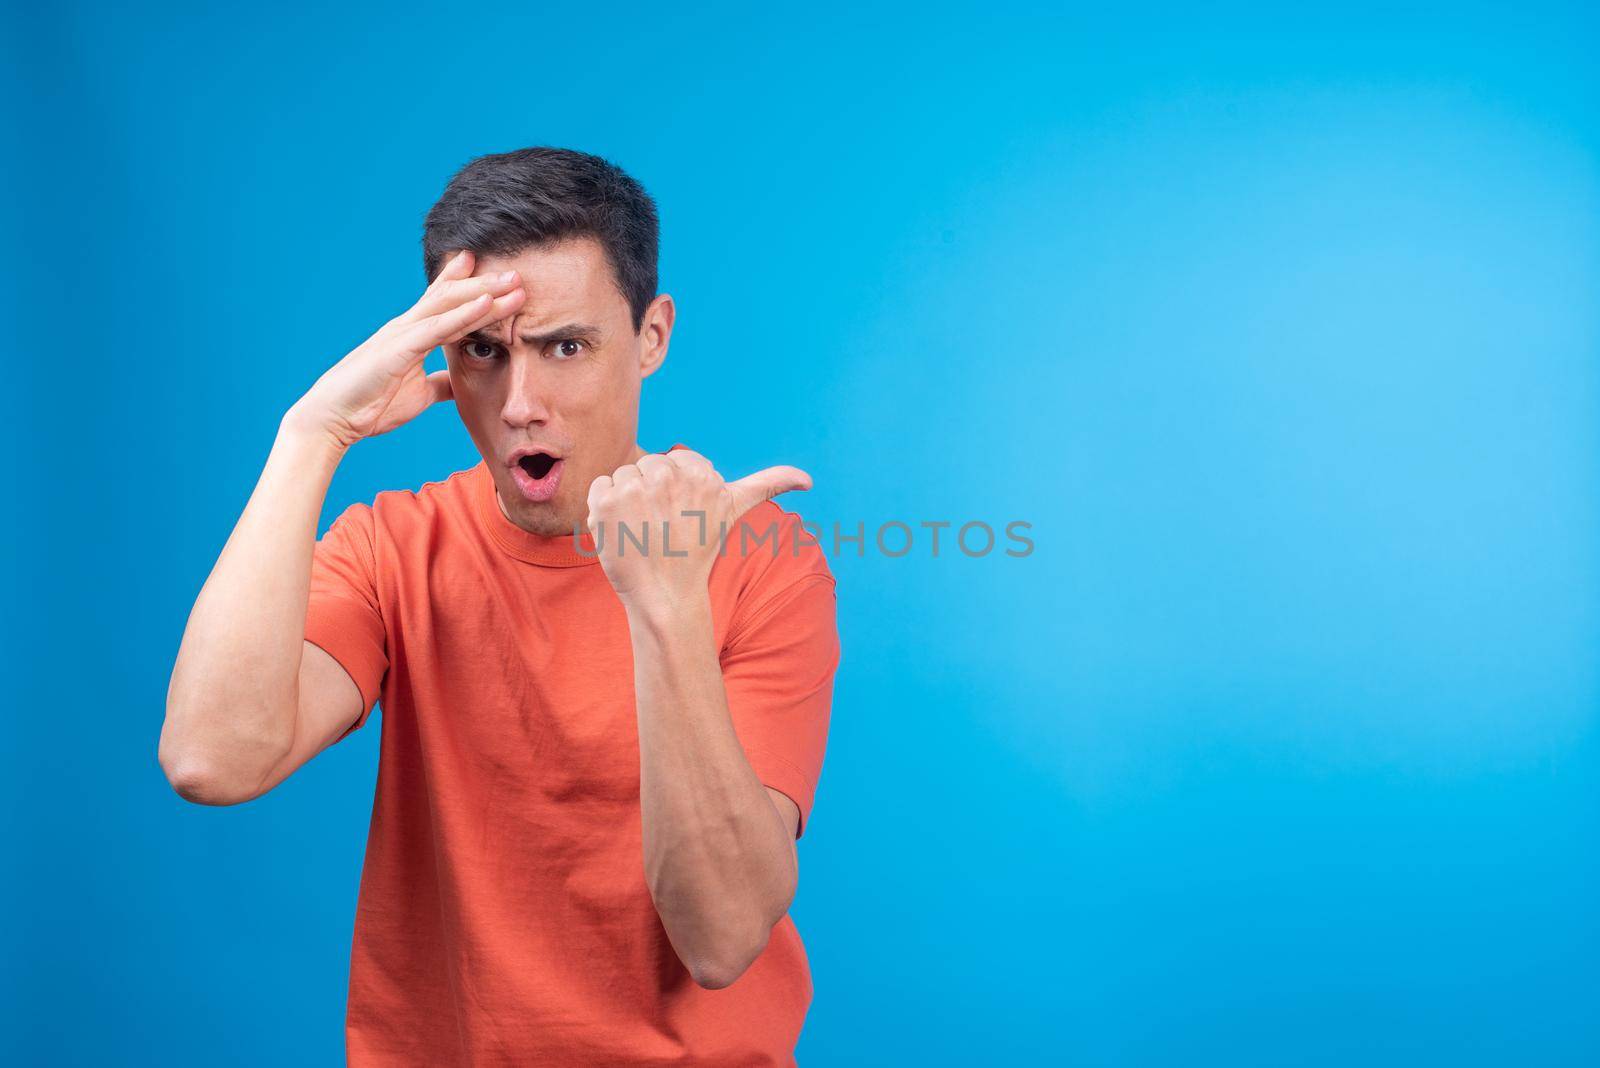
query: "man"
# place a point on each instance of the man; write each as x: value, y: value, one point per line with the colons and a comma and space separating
x: 605, y: 672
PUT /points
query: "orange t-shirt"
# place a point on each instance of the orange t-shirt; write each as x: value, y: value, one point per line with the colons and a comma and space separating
x: 504, y: 916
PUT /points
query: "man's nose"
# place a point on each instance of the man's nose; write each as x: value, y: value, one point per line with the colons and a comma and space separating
x: 525, y: 401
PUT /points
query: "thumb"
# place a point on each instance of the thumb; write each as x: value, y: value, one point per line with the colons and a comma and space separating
x: 751, y: 490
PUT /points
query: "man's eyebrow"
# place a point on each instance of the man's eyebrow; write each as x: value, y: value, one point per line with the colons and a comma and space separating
x: 580, y: 331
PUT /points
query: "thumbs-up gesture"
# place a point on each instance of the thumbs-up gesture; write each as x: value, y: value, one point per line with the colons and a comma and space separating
x: 659, y: 523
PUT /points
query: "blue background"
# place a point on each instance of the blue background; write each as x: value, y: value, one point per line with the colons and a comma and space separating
x: 1282, y: 331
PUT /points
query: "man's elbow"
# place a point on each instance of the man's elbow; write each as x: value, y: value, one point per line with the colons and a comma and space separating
x: 720, y: 968
x: 200, y: 783
x: 718, y: 972
x: 714, y: 978
x: 206, y: 776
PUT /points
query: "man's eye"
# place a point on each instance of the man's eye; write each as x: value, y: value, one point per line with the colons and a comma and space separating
x: 569, y: 348
x: 478, y: 350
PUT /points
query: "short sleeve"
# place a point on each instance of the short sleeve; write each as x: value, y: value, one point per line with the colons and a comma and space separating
x: 777, y: 669
x: 343, y: 616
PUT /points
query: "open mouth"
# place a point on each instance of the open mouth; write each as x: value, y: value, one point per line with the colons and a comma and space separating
x: 537, y: 475
x: 538, y: 465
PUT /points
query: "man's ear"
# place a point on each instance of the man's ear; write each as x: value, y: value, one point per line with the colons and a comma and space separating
x: 655, y: 331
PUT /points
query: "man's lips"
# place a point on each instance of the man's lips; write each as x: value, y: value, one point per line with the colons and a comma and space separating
x: 537, y: 474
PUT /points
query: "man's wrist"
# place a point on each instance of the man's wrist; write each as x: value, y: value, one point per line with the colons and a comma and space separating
x: 665, y: 618
x: 302, y: 430
x: 306, y: 437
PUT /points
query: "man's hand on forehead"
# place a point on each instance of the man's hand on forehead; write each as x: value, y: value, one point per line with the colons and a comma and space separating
x: 460, y: 301
x: 381, y: 384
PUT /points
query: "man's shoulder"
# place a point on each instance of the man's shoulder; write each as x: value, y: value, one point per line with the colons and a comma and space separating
x: 445, y: 491
x: 768, y: 524
x: 400, y: 511
x: 771, y: 549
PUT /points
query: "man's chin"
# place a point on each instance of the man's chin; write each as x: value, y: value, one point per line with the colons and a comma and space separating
x: 544, y: 518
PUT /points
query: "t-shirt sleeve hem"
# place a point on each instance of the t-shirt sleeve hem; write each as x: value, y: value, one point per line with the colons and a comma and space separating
x: 778, y: 773
x: 354, y: 651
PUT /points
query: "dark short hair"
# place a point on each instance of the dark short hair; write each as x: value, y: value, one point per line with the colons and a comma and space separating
x: 504, y: 203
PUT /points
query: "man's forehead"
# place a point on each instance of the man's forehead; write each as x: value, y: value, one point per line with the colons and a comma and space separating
x: 573, y: 267
x: 566, y: 281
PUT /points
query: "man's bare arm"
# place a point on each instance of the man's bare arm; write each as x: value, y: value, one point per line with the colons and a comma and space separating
x: 719, y: 854
x: 719, y: 845
x: 232, y: 701
x: 249, y: 699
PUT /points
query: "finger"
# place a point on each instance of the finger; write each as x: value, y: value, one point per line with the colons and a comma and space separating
x: 457, y: 266
x: 598, y: 487
x: 439, y: 387
x: 652, y: 464
x: 751, y: 490
x: 625, y: 474
x: 687, y: 458
x: 499, y: 309
x: 693, y: 465
x: 454, y: 292
x: 423, y: 335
